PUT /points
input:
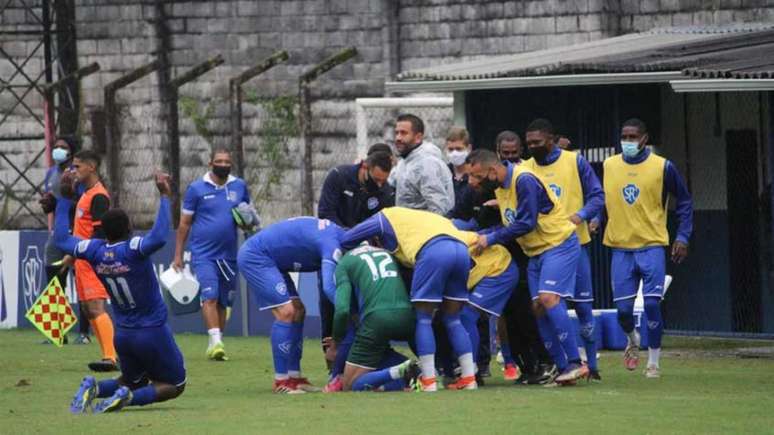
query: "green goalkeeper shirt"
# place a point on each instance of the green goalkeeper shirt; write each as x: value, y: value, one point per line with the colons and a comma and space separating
x: 371, y: 276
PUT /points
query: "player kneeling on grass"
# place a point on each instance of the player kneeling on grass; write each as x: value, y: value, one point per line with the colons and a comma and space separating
x: 438, y: 253
x: 152, y: 368
x: 301, y: 244
x: 385, y: 313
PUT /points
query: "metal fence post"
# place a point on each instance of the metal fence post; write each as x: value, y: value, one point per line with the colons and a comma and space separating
x: 235, y: 103
x: 113, y: 135
x: 173, y: 130
x: 305, y: 121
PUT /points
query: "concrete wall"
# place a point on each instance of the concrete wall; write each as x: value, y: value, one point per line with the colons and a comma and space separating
x: 390, y: 35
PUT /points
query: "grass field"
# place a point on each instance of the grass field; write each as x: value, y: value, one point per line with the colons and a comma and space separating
x: 705, y: 388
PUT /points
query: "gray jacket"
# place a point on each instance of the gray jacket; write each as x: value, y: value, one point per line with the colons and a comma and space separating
x: 423, y: 181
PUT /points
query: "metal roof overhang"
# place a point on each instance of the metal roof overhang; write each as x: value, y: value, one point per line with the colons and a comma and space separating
x: 533, y: 82
x: 723, y: 85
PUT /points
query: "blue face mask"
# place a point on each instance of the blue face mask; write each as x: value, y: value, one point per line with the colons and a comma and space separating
x: 60, y: 155
x: 630, y: 149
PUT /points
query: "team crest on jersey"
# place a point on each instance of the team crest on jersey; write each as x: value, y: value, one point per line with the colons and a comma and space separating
x: 557, y: 189
x: 281, y: 288
x: 510, y: 215
x: 630, y: 193
x: 373, y: 202
x: 232, y: 196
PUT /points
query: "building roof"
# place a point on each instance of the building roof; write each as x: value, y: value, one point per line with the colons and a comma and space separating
x: 733, y: 51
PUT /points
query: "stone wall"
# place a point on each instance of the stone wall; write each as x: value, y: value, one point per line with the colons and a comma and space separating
x: 390, y: 36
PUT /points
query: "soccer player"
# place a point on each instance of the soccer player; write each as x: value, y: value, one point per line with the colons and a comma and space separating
x: 89, y: 210
x: 438, y: 252
x: 301, y: 244
x: 636, y: 184
x: 152, y: 368
x: 573, y: 181
x: 206, y: 215
x: 491, y: 282
x: 369, y: 277
x: 533, y: 216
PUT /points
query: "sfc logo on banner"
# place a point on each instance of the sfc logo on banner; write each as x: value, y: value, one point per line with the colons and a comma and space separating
x: 630, y: 193
x: 32, y: 276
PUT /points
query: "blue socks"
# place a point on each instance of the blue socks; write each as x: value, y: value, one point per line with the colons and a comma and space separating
x: 372, y: 380
x: 458, y: 336
x: 586, y: 320
x: 143, y: 396
x: 342, y: 352
x: 655, y: 322
x: 625, y: 309
x: 469, y: 317
x: 564, y: 331
x: 107, y: 387
x: 297, y: 349
x: 425, y: 340
x: 505, y: 349
x: 551, y: 342
x: 281, y: 347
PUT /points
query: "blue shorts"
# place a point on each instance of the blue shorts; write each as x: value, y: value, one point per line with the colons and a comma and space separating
x: 554, y: 270
x: 270, y: 286
x: 629, y: 267
x: 584, y: 290
x: 441, y: 271
x: 149, y: 353
x: 492, y: 293
x: 217, y: 280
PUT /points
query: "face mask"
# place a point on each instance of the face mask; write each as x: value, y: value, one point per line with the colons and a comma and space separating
x: 488, y: 185
x: 457, y: 157
x: 221, y: 171
x: 60, y: 155
x: 539, y: 153
x: 370, y: 185
x: 630, y: 149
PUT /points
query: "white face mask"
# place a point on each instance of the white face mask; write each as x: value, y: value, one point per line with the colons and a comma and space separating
x: 630, y: 149
x: 457, y: 157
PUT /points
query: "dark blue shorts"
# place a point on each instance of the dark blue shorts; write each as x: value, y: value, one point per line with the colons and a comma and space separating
x: 554, y: 270
x: 492, y: 293
x: 217, y: 280
x: 270, y: 286
x: 629, y: 267
x: 149, y: 353
x: 584, y: 290
x: 441, y: 271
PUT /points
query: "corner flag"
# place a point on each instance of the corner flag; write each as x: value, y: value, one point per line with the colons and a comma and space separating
x: 51, y: 313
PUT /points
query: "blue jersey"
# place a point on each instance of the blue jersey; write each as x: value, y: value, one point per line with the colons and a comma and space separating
x: 302, y: 244
x: 125, y: 268
x: 214, y: 232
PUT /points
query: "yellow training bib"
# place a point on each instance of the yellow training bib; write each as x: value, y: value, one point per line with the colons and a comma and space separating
x: 563, y: 178
x: 414, y: 228
x: 551, y: 230
x: 493, y: 261
x: 635, y: 203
